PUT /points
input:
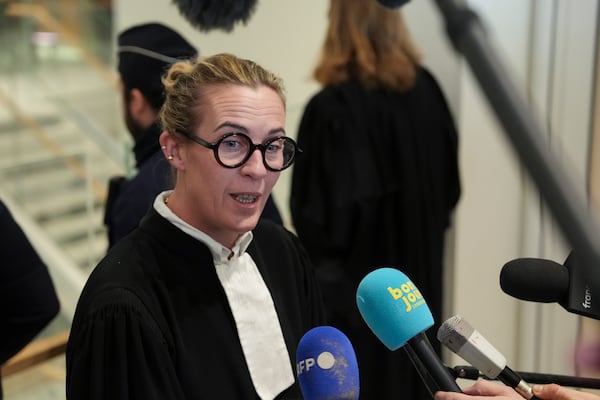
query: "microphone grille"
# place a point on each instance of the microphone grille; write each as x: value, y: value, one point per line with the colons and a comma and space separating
x: 326, y: 365
x: 207, y: 15
x: 448, y: 327
x: 455, y: 332
x: 392, y: 307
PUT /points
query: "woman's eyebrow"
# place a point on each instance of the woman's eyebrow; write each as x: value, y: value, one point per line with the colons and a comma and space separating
x: 231, y: 125
x: 276, y: 131
x: 241, y: 128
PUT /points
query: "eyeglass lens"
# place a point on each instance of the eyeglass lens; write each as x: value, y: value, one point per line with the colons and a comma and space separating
x: 235, y: 149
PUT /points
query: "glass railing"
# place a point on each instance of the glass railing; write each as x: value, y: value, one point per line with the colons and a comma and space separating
x: 61, y: 133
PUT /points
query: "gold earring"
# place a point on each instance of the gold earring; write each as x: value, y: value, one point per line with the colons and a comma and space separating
x: 169, y: 158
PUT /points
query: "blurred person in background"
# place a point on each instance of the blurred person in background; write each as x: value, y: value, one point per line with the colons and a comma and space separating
x: 145, y: 53
x: 28, y: 300
x: 378, y: 178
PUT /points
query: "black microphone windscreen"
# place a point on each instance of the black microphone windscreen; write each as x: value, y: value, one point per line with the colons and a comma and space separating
x: 207, y: 15
x: 534, y: 279
x: 392, y: 3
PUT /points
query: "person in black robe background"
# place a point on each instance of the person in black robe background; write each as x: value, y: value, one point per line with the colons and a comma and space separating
x: 28, y: 299
x: 204, y: 289
x: 377, y: 180
x: 145, y: 53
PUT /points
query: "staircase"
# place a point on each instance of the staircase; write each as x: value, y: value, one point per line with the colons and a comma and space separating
x: 61, y: 139
x: 57, y: 154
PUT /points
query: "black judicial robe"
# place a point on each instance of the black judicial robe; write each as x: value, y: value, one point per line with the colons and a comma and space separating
x: 153, y: 321
x: 28, y: 299
x: 375, y: 186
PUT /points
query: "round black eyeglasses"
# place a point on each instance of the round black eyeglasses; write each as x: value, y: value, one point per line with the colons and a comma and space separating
x: 233, y: 149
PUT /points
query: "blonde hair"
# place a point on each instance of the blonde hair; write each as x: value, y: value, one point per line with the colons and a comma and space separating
x: 368, y: 42
x: 185, y: 81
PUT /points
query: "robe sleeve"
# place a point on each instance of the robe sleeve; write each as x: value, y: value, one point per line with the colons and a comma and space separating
x: 28, y: 300
x: 117, y: 351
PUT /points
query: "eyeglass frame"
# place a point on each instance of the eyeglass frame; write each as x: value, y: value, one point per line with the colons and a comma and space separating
x: 253, y: 147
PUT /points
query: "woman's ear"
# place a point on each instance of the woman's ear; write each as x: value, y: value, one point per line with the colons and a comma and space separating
x: 171, y: 150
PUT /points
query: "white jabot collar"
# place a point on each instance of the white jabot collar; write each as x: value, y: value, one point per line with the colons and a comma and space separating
x: 252, y: 307
x: 219, y: 252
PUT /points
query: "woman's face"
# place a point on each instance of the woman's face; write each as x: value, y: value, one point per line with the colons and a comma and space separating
x: 226, y: 202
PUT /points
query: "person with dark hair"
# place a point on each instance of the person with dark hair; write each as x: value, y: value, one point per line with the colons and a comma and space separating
x: 377, y: 180
x: 204, y: 299
x: 145, y: 52
x: 28, y: 300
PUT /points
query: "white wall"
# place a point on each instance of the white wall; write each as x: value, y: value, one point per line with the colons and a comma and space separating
x: 487, y: 221
x: 549, y: 50
x: 283, y: 36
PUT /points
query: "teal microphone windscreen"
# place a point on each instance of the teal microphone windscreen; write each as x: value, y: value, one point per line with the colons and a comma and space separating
x: 326, y: 365
x: 392, y: 307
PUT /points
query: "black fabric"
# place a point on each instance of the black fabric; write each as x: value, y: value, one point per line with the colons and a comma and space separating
x: 271, y: 212
x: 375, y: 187
x: 129, y: 199
x: 153, y: 321
x: 28, y: 300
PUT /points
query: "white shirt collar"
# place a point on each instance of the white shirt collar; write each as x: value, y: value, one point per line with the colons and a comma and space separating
x: 251, y: 304
x: 220, y: 253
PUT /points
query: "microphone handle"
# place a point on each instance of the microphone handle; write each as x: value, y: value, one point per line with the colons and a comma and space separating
x: 426, y: 377
x: 563, y: 380
x: 423, y: 350
x: 515, y: 381
x: 472, y: 373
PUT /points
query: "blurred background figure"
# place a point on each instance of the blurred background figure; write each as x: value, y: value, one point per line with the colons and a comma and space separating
x: 28, y: 301
x: 378, y: 178
x: 145, y: 52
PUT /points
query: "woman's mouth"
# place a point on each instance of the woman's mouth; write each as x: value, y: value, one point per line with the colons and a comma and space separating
x: 245, y: 198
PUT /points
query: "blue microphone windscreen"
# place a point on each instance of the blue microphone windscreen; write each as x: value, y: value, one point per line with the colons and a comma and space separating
x: 392, y: 307
x: 326, y: 365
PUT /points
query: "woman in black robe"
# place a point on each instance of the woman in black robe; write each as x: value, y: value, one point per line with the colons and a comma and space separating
x: 203, y: 300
